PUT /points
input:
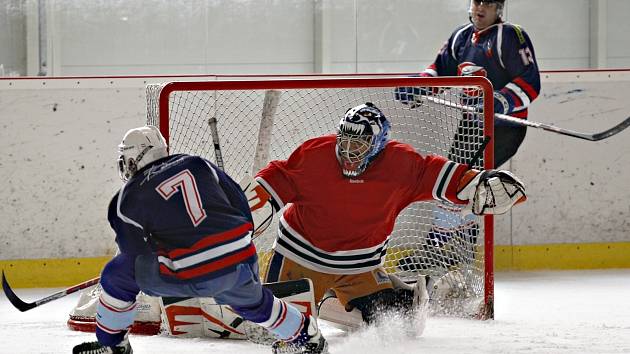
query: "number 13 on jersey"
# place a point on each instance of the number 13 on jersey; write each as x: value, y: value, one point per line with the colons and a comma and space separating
x: 526, y: 56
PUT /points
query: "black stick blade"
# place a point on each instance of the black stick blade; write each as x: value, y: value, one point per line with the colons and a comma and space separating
x: 14, y: 299
x: 612, y: 131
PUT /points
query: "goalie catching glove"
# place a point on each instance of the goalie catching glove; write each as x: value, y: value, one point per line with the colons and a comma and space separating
x: 490, y: 191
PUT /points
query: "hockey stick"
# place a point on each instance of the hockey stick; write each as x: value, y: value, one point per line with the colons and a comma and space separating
x: 212, y: 122
x: 478, y: 153
x: 261, y: 155
x: 263, y: 145
x: 25, y: 306
x: 547, y: 127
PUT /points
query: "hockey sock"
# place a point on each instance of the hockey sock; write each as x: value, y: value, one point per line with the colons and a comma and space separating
x: 113, y: 317
x: 280, y: 318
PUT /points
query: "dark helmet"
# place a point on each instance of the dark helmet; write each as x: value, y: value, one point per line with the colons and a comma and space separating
x: 500, y: 5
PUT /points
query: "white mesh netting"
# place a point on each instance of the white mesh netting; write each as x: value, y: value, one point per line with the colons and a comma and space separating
x: 429, y: 238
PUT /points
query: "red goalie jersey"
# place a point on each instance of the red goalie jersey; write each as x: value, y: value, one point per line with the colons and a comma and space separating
x: 339, y: 225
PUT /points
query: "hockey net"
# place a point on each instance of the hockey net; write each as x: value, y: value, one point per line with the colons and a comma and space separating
x: 277, y: 115
x: 259, y: 120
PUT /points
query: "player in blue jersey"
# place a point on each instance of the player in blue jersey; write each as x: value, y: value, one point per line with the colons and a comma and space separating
x: 183, y: 228
x: 498, y: 50
x: 502, y: 52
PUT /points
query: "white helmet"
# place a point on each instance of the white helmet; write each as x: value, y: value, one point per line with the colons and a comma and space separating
x: 139, y: 147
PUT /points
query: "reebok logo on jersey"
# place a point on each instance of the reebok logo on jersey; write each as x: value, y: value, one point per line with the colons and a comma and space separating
x: 357, y: 181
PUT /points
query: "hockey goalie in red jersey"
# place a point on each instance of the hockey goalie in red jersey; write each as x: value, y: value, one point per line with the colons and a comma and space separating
x: 340, y: 197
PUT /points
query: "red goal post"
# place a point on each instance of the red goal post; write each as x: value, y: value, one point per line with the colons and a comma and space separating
x: 311, y: 106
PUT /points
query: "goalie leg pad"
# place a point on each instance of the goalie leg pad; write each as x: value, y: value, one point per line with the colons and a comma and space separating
x: 201, y: 317
x: 265, y: 309
x: 410, y: 300
x: 372, y: 305
x: 333, y: 311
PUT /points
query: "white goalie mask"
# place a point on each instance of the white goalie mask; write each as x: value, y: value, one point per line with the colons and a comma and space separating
x: 139, y: 147
x: 361, y: 135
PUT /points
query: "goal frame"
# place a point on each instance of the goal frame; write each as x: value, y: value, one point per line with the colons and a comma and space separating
x: 370, y: 81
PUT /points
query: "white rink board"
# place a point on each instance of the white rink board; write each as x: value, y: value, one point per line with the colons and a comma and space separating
x: 59, y: 141
x: 59, y: 157
x: 578, y: 190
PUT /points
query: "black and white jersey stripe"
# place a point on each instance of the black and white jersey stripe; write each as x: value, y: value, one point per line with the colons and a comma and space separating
x: 295, y: 247
x: 444, y: 179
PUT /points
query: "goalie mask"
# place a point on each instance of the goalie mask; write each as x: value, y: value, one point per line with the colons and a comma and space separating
x: 139, y: 147
x: 362, y: 134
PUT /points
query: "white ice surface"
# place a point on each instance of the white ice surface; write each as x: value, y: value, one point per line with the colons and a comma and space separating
x: 535, y: 312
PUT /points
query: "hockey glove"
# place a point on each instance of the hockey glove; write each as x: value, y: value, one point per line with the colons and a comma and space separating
x: 501, y: 103
x: 259, y: 204
x: 412, y: 96
x: 491, y: 192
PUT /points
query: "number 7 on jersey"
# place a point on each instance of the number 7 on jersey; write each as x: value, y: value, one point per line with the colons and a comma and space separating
x: 184, y: 182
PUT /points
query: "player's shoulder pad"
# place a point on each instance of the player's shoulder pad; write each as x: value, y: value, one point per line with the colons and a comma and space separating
x: 512, y: 29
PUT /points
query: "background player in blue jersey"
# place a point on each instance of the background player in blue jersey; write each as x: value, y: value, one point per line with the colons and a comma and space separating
x: 184, y: 229
x: 498, y: 50
x: 502, y: 52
